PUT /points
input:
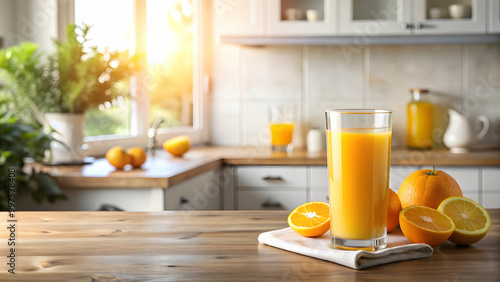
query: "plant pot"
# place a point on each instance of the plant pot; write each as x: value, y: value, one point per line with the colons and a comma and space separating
x: 68, y: 130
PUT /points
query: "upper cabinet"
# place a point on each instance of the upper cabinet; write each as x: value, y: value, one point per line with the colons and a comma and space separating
x: 239, y: 17
x: 301, y: 18
x: 450, y: 17
x: 494, y: 16
x: 375, y: 17
x: 332, y: 18
x: 417, y: 17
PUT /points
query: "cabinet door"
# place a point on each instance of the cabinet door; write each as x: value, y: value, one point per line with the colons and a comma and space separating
x: 491, y: 188
x: 375, y: 17
x: 239, y: 17
x: 92, y: 199
x: 494, y: 16
x: 198, y: 193
x: 428, y: 21
x: 255, y: 199
x: 467, y: 178
x: 301, y: 18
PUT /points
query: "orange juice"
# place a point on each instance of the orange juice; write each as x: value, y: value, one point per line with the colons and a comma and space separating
x: 358, y: 171
x: 281, y: 133
x: 420, y: 124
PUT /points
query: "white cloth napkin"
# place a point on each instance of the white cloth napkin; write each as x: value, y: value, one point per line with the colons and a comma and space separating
x: 398, y: 248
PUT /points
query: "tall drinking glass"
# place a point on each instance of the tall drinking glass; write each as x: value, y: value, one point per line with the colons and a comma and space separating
x: 282, y: 120
x: 359, y: 152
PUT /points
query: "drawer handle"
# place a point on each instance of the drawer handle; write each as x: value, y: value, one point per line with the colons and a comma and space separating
x: 272, y: 178
x: 183, y: 200
x: 269, y: 204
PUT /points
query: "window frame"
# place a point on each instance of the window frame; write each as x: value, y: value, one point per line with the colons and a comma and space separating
x: 139, y: 108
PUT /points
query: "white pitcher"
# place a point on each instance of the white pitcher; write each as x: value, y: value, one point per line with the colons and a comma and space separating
x: 461, y: 134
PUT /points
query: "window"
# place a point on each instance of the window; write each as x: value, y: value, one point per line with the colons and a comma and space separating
x: 168, y: 33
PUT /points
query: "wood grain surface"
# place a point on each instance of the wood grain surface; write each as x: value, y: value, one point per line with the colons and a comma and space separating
x: 164, y: 170
x: 205, y: 246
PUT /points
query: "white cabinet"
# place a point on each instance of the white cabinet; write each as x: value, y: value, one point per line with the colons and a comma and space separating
x: 91, y: 199
x: 290, y: 17
x: 319, y: 180
x: 472, y: 22
x: 201, y: 192
x: 270, y: 187
x: 491, y: 188
x: 494, y: 16
x: 375, y: 17
x: 412, y: 17
x: 239, y: 17
x: 467, y: 178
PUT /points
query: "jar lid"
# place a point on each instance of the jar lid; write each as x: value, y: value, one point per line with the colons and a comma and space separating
x: 419, y: 90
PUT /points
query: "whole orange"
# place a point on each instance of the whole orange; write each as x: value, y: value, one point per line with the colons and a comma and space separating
x: 117, y: 157
x: 137, y: 156
x: 177, y: 146
x: 427, y: 187
x: 393, y: 211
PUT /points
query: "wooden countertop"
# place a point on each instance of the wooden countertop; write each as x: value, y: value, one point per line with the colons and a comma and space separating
x: 196, y: 246
x: 164, y: 170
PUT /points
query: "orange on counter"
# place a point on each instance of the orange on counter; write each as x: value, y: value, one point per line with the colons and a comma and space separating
x: 177, y: 146
x: 427, y: 187
x: 393, y: 211
x: 117, y: 157
x: 426, y: 225
x: 310, y: 219
x: 137, y: 156
x: 472, y: 221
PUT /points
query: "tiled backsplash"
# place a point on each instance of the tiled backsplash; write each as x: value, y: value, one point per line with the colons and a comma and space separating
x: 248, y: 79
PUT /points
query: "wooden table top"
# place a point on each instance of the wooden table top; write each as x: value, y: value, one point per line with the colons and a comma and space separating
x: 202, y: 245
x: 164, y: 170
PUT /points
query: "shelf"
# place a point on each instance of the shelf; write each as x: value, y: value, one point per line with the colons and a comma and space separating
x: 361, y: 40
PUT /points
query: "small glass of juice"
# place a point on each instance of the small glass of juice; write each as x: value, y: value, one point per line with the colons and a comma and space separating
x: 359, y: 158
x: 281, y: 125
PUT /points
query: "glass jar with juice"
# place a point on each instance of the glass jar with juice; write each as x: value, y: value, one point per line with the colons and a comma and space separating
x: 420, y: 118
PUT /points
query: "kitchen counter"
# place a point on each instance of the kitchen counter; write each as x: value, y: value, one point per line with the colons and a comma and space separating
x: 216, y: 246
x: 164, y: 170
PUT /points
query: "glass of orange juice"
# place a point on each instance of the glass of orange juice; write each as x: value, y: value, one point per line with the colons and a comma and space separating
x: 281, y: 125
x: 358, y: 152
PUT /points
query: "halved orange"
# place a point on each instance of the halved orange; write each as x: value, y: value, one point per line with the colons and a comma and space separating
x: 425, y: 225
x: 472, y: 221
x: 310, y: 219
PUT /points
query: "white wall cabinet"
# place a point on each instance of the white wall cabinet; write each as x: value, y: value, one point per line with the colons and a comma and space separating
x: 494, y: 16
x: 360, y: 18
x: 279, y: 23
x: 407, y: 17
x: 239, y: 17
x: 375, y: 17
x: 475, y: 23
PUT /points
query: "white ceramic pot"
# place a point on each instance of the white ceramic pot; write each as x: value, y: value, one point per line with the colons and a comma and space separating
x: 461, y: 134
x: 315, y: 141
x: 69, y: 130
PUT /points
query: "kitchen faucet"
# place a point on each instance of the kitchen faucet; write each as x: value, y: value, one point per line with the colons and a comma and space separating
x: 152, y: 142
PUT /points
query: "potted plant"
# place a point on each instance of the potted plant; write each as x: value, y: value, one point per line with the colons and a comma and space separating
x: 18, y: 141
x: 75, y: 78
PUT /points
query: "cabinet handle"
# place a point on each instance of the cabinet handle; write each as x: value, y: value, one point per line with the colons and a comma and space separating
x: 269, y: 204
x: 406, y: 26
x: 272, y: 178
x: 183, y: 200
x: 417, y: 25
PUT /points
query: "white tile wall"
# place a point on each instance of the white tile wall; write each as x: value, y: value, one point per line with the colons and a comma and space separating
x: 392, y: 70
x: 324, y: 77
